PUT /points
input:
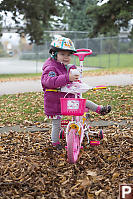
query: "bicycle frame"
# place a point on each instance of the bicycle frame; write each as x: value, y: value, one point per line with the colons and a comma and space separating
x: 76, y: 128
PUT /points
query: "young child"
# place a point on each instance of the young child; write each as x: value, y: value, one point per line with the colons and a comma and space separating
x: 56, y: 74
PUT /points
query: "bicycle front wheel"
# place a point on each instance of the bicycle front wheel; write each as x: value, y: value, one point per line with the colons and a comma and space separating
x: 73, y: 146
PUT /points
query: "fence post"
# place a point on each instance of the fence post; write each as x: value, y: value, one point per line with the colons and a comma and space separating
x: 101, y: 49
x: 37, y: 57
x: 118, y: 53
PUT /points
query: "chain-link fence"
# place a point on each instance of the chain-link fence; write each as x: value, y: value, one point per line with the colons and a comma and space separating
x: 106, y: 50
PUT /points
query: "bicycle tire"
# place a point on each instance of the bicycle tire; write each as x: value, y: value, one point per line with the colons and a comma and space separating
x: 61, y: 134
x: 73, y: 146
x: 101, y: 135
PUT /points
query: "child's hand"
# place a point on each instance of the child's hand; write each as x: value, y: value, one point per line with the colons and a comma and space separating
x: 73, y: 78
x: 74, y: 75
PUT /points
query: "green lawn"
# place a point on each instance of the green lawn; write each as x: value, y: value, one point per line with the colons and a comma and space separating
x: 120, y: 98
x: 21, y: 75
x: 109, y: 61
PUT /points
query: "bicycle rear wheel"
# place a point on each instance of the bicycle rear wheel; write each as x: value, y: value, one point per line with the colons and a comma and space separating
x: 73, y: 146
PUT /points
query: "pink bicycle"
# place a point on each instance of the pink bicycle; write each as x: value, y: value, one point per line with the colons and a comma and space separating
x: 77, y: 127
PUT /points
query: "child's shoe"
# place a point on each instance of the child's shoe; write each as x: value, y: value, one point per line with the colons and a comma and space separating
x: 57, y: 145
x: 105, y: 110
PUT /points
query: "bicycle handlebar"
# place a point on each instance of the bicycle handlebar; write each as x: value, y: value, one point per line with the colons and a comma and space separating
x: 80, y: 87
x: 82, y: 53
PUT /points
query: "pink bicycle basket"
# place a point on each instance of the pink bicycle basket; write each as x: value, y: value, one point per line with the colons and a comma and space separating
x: 72, y: 106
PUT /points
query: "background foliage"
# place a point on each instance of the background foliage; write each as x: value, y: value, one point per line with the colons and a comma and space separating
x: 80, y: 15
x: 111, y: 16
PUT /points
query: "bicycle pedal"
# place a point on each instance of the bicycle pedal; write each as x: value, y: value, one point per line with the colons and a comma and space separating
x: 94, y: 143
x: 87, y: 115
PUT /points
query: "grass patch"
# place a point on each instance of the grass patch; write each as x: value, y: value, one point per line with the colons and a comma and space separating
x: 109, y: 61
x: 120, y: 98
x: 16, y: 109
x: 109, y: 64
x: 21, y: 76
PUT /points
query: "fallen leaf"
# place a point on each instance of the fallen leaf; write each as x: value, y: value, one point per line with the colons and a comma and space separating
x: 91, y: 173
x: 115, y: 175
x: 98, y: 192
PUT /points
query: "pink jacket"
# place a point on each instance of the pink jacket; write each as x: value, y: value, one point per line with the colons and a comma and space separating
x: 55, y: 75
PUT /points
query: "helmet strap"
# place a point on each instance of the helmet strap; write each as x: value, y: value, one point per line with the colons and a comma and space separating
x: 66, y: 66
x: 54, y: 55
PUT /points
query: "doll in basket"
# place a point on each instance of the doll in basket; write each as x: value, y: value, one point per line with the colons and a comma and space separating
x: 56, y: 75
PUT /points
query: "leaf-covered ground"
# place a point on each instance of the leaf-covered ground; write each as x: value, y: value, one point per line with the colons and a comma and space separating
x: 32, y: 169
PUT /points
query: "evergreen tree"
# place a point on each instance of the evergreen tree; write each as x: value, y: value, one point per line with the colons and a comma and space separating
x: 77, y: 15
x: 0, y: 25
x: 111, y: 16
x: 36, y: 16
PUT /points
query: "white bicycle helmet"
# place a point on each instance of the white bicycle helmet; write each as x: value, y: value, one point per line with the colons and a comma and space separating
x: 62, y: 43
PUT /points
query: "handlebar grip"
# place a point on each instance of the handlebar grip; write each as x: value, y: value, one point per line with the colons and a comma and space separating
x: 99, y: 87
x: 74, y: 71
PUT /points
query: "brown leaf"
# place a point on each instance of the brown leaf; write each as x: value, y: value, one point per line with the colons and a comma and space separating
x: 85, y: 183
x: 115, y: 175
x: 91, y: 173
x: 98, y: 192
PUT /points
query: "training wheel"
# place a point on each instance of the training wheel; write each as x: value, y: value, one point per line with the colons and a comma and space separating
x: 101, y: 135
